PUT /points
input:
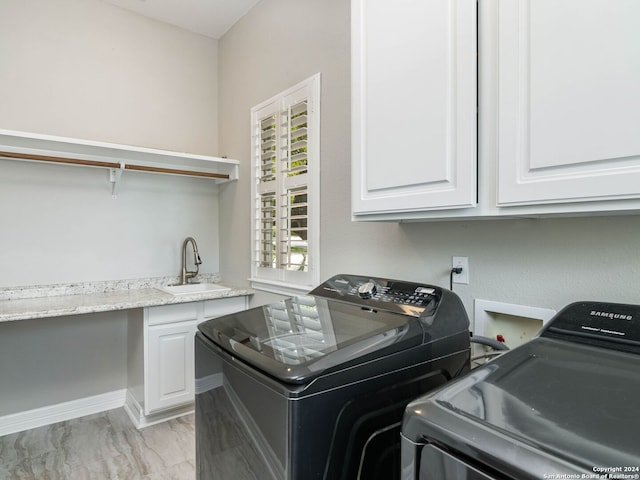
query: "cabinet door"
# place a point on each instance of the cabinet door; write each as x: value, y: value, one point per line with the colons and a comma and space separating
x: 413, y: 105
x: 569, y: 101
x: 170, y: 366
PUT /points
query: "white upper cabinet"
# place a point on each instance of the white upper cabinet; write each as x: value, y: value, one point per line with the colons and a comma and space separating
x: 413, y: 105
x: 569, y: 101
x: 553, y: 127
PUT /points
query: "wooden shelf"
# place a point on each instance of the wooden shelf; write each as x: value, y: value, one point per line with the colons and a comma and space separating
x: 117, y: 158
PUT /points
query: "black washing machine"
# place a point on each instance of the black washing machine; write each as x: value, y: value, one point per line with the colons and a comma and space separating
x: 563, y: 406
x: 315, y: 386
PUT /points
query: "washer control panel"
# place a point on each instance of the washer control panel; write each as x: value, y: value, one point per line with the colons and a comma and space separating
x: 399, y: 296
x: 367, y: 290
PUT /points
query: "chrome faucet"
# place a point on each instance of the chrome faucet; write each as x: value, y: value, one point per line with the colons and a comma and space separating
x: 186, y: 274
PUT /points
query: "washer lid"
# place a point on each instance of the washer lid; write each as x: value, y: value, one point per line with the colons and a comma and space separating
x: 297, y: 339
x: 548, y: 402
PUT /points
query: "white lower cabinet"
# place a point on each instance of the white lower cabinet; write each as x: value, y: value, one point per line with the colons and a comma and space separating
x: 161, y: 361
x: 170, y: 370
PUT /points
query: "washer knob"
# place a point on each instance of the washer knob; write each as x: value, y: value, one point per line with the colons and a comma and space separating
x: 367, y: 290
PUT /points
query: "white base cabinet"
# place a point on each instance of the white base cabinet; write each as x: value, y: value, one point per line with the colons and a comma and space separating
x: 161, y: 359
x: 170, y: 370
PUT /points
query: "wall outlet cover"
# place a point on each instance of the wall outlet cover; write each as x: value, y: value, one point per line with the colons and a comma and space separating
x: 463, y: 276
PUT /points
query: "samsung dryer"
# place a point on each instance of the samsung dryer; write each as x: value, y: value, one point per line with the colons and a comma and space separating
x: 563, y: 406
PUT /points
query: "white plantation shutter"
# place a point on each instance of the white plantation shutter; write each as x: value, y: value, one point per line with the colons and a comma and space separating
x: 267, y: 188
x: 286, y: 180
x: 294, y: 202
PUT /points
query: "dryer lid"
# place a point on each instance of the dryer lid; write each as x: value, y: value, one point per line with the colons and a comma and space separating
x: 546, y: 401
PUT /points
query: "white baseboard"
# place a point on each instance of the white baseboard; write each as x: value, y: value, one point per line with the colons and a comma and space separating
x: 140, y: 420
x: 39, y: 417
x: 133, y: 409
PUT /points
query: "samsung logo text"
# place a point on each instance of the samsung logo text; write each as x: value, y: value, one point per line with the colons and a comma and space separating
x: 615, y: 316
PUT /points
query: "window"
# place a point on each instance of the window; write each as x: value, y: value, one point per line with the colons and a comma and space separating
x: 285, y: 181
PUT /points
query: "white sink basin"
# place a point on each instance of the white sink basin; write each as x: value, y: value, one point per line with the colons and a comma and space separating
x: 193, y: 288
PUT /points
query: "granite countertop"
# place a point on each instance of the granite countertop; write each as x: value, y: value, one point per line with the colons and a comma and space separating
x: 23, y: 303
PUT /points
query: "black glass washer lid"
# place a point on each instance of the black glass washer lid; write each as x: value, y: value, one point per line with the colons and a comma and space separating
x: 297, y: 339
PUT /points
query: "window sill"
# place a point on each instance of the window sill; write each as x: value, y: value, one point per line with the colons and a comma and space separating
x: 281, y: 288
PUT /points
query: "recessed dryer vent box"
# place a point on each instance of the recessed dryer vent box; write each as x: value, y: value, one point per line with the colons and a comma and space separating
x: 517, y: 324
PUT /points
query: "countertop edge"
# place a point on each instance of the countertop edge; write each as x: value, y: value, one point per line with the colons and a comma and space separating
x: 79, y: 304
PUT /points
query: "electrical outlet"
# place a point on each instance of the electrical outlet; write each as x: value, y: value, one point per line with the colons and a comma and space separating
x: 462, y: 262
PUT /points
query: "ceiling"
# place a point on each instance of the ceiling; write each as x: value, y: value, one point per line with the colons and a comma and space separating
x: 207, y: 17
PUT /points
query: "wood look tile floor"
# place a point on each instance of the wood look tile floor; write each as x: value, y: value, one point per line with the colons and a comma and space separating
x: 101, y: 446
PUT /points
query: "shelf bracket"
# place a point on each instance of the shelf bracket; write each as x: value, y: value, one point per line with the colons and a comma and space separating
x: 114, y: 178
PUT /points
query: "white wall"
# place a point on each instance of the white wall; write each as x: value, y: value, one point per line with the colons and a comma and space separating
x: 544, y: 263
x: 53, y: 360
x: 89, y: 70
x: 251, y: 70
x: 60, y: 224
